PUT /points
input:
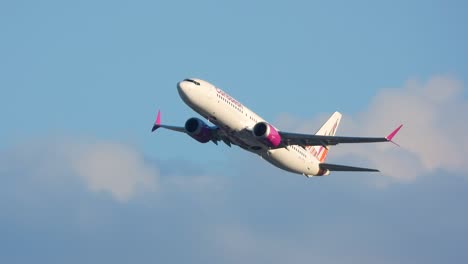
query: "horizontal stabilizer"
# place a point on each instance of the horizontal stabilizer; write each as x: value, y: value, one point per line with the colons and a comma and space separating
x: 335, y: 167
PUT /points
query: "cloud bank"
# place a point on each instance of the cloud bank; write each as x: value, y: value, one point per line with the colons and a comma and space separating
x: 433, y: 137
x: 109, y: 167
x: 119, y: 170
x: 112, y: 167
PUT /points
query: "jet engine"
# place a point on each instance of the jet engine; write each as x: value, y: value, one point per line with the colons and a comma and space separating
x: 267, y: 134
x: 199, y: 130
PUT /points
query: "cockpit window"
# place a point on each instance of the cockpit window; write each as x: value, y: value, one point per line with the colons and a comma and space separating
x: 192, y: 81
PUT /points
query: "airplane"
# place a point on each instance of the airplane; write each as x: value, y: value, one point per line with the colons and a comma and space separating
x: 235, y: 124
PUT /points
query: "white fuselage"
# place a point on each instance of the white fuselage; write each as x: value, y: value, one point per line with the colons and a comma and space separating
x: 236, y: 122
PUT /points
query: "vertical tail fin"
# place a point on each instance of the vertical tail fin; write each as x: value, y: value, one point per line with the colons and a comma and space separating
x: 327, y: 129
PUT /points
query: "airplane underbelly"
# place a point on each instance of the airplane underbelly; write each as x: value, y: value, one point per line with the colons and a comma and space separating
x: 288, y: 160
x: 284, y: 159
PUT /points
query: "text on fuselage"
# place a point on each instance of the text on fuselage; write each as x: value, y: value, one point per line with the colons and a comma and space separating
x: 227, y: 96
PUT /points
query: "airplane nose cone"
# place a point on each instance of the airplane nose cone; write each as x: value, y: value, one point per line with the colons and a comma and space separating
x: 183, y: 89
x: 182, y: 86
x: 179, y: 86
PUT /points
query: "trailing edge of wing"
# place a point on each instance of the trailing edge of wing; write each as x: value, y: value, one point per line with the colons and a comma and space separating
x: 336, y: 167
x: 320, y: 140
x: 173, y: 128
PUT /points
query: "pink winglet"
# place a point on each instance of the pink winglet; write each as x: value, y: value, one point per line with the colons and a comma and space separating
x: 391, y: 135
x: 158, y: 118
x: 157, y: 122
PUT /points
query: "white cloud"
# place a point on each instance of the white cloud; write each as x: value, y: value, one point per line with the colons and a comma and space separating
x: 433, y: 136
x: 114, y: 168
x: 111, y: 167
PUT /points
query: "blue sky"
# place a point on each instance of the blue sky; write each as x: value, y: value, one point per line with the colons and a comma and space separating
x: 83, y: 180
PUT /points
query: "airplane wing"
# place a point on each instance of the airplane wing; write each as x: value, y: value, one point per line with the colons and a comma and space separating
x: 157, y: 124
x: 336, y: 167
x: 321, y: 140
x: 214, y: 136
x: 173, y: 128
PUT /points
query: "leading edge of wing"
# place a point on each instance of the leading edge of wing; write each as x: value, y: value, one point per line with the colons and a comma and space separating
x: 336, y: 167
x: 157, y: 124
x: 320, y: 140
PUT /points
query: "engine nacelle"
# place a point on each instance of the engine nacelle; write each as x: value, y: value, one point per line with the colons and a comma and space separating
x: 267, y: 134
x: 198, y: 130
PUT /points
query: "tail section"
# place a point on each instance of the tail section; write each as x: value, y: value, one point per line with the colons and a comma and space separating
x: 327, y: 129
